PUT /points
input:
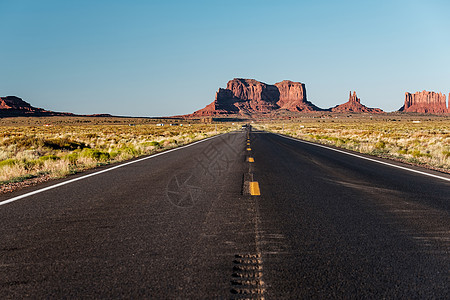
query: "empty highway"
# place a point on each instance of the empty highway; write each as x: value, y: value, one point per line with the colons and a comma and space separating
x: 241, y: 215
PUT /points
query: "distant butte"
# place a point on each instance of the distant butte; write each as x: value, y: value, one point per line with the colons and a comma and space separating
x: 354, y: 105
x: 249, y: 96
x: 15, y: 103
x: 425, y: 102
x: 12, y: 106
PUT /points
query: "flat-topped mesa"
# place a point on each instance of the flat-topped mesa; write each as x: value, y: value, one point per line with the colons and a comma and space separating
x: 249, y: 96
x: 425, y: 102
x: 354, y: 105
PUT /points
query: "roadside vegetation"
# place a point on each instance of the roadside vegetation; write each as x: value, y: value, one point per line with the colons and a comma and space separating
x: 417, y: 140
x: 36, y: 147
x: 54, y: 147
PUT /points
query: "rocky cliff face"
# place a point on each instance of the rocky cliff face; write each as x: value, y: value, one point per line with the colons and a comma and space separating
x: 293, y: 97
x: 251, y: 96
x: 247, y: 96
x: 354, y: 105
x: 250, y: 89
x: 425, y: 102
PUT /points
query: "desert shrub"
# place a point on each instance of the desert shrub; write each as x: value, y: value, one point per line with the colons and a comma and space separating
x: 417, y: 153
x: 94, y: 154
x: 154, y: 144
x: 130, y: 150
x: 151, y: 144
x: 48, y: 157
x: 63, y: 144
x: 91, y: 135
x: 71, y: 157
x: 8, y: 162
x: 114, y: 154
x: 380, y: 145
x: 23, y: 142
x: 30, y: 164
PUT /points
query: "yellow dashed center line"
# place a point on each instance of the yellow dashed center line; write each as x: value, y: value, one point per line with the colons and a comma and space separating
x: 254, y: 188
x: 253, y: 185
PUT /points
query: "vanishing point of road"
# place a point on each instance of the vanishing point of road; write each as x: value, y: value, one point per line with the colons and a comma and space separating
x: 243, y: 215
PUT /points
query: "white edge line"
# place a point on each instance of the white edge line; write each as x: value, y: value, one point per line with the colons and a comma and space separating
x: 100, y: 172
x: 366, y: 158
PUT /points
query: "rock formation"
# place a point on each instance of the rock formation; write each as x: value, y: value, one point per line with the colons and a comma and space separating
x: 12, y: 106
x: 354, y: 105
x: 293, y: 97
x: 14, y: 103
x: 425, y: 102
x: 247, y: 96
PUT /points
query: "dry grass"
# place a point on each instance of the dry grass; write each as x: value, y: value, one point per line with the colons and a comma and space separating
x: 417, y: 140
x: 29, y: 148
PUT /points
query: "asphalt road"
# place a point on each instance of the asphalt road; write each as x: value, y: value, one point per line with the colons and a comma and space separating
x: 182, y: 225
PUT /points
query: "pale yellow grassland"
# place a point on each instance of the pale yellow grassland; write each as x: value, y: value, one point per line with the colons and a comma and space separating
x: 66, y: 147
x: 425, y: 141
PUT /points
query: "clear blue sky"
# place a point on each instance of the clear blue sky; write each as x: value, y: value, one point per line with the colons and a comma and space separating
x: 159, y: 58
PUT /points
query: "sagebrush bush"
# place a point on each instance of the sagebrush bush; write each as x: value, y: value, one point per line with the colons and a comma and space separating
x: 94, y: 154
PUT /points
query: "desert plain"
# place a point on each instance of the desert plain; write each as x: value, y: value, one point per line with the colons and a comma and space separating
x: 36, y: 149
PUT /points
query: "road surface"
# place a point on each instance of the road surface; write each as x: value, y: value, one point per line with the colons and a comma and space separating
x: 184, y: 224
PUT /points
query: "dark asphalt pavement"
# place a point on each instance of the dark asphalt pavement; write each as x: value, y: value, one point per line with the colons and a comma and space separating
x: 180, y: 225
x: 334, y: 226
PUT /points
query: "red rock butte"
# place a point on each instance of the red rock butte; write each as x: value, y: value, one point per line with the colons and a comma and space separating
x: 14, y: 103
x: 354, y: 105
x: 12, y: 106
x: 425, y: 102
x: 248, y: 96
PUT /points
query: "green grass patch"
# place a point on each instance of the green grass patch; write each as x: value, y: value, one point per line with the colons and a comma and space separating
x: 95, y: 154
x: 8, y: 162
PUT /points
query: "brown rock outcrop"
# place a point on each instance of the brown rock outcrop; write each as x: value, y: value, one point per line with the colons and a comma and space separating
x: 250, y: 95
x: 425, y: 102
x: 12, y: 106
x: 354, y: 105
x: 223, y: 104
x: 247, y: 96
x: 14, y: 103
x: 293, y: 97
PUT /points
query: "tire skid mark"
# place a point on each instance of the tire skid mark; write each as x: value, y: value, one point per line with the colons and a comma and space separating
x: 247, y: 272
